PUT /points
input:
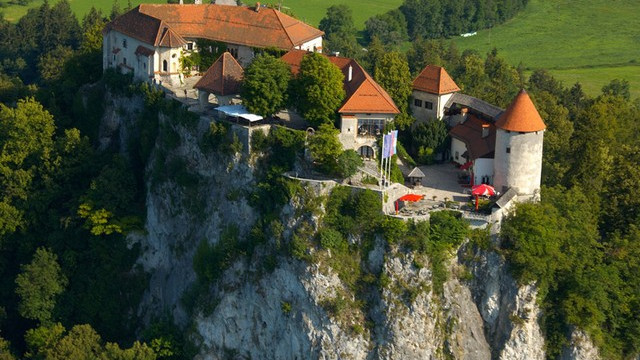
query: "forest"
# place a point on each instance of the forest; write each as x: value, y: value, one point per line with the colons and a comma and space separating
x: 69, y: 285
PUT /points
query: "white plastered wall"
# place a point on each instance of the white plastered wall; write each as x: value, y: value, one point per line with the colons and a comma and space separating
x: 521, y: 168
x: 312, y: 45
x: 141, y: 66
x: 459, y: 148
x: 482, y: 168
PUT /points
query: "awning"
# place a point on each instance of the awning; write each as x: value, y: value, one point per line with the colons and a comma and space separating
x: 466, y: 165
x: 411, y: 197
x: 239, y: 111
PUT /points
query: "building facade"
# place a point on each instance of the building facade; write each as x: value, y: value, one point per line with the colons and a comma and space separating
x: 150, y: 40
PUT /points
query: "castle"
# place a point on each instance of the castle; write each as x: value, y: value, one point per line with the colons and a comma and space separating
x: 499, y: 147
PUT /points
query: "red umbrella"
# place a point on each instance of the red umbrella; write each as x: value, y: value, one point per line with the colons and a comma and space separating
x: 482, y: 190
x: 408, y: 197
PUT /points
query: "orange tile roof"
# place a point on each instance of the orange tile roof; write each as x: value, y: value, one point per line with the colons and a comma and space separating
x: 435, y: 80
x: 521, y: 115
x: 171, y: 39
x: 141, y: 50
x: 137, y: 25
x: 470, y: 133
x: 223, y: 77
x: 363, y: 94
x: 230, y: 24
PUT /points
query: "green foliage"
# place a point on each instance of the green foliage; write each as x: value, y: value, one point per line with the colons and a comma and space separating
x: 317, y: 91
x: 38, y: 285
x: 325, y: 148
x: 427, y: 138
x: 617, y: 87
x: 210, y: 261
x: 390, y: 27
x: 392, y: 73
x: 348, y: 163
x: 332, y: 239
x: 81, y: 342
x: 340, y: 32
x: 265, y: 84
x: 556, y: 243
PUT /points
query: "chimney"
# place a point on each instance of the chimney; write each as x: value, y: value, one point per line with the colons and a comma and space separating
x: 198, y: 2
x: 350, y: 73
x: 335, y: 53
x: 463, y: 114
x: 181, y: 2
x: 485, y: 130
x: 257, y: 7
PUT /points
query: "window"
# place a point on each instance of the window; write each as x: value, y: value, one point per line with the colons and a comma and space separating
x: 457, y: 155
x: 370, y: 127
x: 164, y: 65
x: 508, y: 150
x: 428, y: 105
x: 124, y: 61
x: 190, y: 46
x: 233, y: 51
x: 417, y: 102
x: 144, y: 65
x: 124, y: 43
x: 173, y: 56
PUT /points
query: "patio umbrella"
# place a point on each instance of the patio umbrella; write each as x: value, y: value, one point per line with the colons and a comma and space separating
x: 408, y: 197
x: 484, y: 190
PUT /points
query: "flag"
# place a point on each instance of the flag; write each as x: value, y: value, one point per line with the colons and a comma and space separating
x: 386, y: 146
x: 394, y: 142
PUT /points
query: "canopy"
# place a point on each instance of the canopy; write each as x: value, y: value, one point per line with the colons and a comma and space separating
x: 239, y: 111
x: 483, y: 190
x: 466, y: 165
x: 411, y: 197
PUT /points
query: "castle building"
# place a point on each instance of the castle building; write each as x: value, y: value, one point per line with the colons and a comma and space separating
x: 499, y: 147
x: 150, y: 39
x: 367, y: 107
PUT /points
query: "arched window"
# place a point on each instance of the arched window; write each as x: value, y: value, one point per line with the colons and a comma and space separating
x: 164, y: 65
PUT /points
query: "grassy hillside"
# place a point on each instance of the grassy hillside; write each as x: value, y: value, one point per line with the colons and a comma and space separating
x: 592, y: 41
x: 79, y: 7
x: 311, y: 11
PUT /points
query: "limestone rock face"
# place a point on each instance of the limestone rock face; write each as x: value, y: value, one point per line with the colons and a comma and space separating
x: 281, y: 312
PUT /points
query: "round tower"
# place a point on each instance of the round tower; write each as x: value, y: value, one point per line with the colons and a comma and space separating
x: 518, y: 151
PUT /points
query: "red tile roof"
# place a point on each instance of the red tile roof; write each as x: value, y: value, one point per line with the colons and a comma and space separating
x: 223, y: 77
x: 521, y: 115
x: 435, y: 80
x: 363, y: 94
x: 230, y: 24
x: 141, y: 50
x: 470, y: 133
x: 171, y: 39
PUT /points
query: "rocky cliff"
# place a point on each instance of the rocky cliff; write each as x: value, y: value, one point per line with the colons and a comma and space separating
x: 267, y: 304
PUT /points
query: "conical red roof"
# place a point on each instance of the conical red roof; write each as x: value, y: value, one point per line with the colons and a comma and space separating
x: 435, y: 80
x: 521, y: 115
x: 223, y: 77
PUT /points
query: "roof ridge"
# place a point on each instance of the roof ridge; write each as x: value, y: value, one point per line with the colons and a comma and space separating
x: 277, y: 13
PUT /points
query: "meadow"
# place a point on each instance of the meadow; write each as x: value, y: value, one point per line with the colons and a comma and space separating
x: 310, y: 11
x: 591, y: 41
x: 79, y: 7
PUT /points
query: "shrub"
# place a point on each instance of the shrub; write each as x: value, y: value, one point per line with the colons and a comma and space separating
x: 332, y: 239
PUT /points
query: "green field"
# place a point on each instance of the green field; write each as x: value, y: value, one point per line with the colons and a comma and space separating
x: 310, y: 11
x: 79, y: 7
x: 592, y: 41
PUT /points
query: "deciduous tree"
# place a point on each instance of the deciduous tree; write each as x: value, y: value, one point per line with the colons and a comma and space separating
x: 318, y: 89
x: 38, y: 285
x: 265, y: 84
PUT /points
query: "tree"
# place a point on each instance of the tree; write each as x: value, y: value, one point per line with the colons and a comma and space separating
x: 318, y: 90
x: 390, y: 27
x: 340, y: 32
x: 325, y: 147
x: 81, y: 342
x: 92, y: 24
x: 348, y: 163
x: 38, y: 285
x: 264, y: 88
x: 392, y: 73
x: 428, y: 138
x: 617, y: 87
x: 26, y: 143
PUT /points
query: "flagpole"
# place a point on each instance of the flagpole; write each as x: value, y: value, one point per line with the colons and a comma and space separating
x: 382, y: 165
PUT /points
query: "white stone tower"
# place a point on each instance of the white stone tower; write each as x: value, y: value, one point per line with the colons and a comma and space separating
x: 518, y: 152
